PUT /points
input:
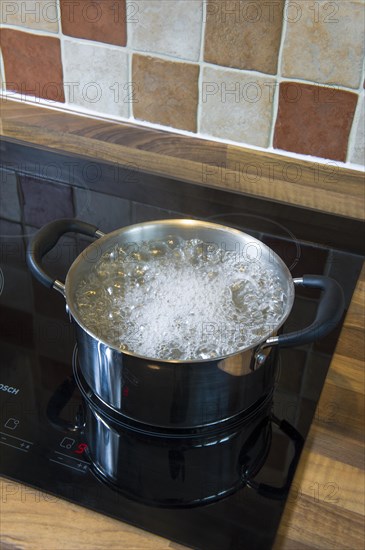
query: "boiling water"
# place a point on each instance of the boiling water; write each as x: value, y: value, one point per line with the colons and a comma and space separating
x: 176, y: 299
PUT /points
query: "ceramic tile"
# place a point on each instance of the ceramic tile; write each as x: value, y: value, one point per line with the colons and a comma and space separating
x: 9, y: 200
x: 314, y: 120
x: 105, y: 211
x: 40, y: 14
x: 325, y: 42
x: 101, y: 20
x: 244, y: 35
x: 166, y: 92
x: 32, y: 64
x: 96, y: 77
x: 236, y: 106
x: 357, y: 154
x: 162, y: 26
x: 44, y: 202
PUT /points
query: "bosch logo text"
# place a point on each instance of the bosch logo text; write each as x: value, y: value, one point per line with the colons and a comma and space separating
x: 9, y: 389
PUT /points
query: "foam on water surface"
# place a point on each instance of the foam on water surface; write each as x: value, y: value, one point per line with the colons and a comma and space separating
x: 176, y: 299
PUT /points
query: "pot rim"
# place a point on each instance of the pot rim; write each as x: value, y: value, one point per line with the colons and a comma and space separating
x: 182, y: 223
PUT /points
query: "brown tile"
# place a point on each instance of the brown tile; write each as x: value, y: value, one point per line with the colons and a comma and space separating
x: 33, y: 64
x: 244, y: 35
x: 101, y: 20
x: 166, y: 92
x: 314, y: 120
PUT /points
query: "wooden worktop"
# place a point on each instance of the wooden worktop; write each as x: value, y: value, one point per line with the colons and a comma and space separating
x: 325, y: 509
x: 325, y: 187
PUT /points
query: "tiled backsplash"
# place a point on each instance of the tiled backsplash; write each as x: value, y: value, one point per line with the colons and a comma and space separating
x: 277, y: 74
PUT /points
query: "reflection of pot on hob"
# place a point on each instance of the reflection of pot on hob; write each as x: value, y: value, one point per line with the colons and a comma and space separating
x: 174, y: 468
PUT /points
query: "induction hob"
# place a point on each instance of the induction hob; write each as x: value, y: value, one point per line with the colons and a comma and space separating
x: 37, y: 347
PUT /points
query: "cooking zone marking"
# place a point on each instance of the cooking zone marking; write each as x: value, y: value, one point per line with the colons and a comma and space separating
x: 15, y: 442
x: 70, y: 462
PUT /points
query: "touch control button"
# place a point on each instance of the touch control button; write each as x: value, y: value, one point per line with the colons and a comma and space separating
x: 11, y: 423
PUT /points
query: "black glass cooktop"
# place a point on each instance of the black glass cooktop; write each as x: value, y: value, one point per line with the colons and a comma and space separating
x: 36, y: 369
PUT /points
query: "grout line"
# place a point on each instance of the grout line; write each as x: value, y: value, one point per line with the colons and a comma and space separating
x: 171, y: 58
x: 130, y: 81
x: 200, y: 62
x: 30, y: 30
x: 2, y: 74
x: 356, y: 120
x: 275, y: 107
x: 201, y: 67
x: 60, y: 36
x: 354, y: 127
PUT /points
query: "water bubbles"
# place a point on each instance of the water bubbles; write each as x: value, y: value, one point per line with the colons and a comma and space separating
x: 178, y: 300
x: 158, y: 249
x: 207, y: 352
x: 174, y: 241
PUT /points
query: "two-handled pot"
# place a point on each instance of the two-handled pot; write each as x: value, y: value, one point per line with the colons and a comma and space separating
x: 180, y: 394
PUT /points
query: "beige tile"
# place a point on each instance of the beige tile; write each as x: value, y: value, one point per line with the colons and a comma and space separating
x: 236, y: 106
x: 357, y: 154
x: 167, y: 27
x: 244, y: 35
x: 96, y: 77
x: 166, y: 92
x: 32, y: 14
x: 325, y: 42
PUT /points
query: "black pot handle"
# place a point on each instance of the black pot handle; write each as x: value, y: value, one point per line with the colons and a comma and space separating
x: 46, y: 238
x: 329, y: 312
x: 58, y: 402
x: 269, y: 491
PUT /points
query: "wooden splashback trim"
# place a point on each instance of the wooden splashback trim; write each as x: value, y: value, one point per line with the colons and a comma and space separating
x: 323, y: 187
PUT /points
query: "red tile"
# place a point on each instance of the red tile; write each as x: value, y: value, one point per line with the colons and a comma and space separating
x: 102, y: 20
x: 314, y: 120
x: 33, y: 64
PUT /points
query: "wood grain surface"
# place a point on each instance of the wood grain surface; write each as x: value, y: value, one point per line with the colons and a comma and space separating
x: 326, y: 506
x: 325, y: 187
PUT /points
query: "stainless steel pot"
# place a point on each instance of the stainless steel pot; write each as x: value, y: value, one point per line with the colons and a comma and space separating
x: 182, y: 394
